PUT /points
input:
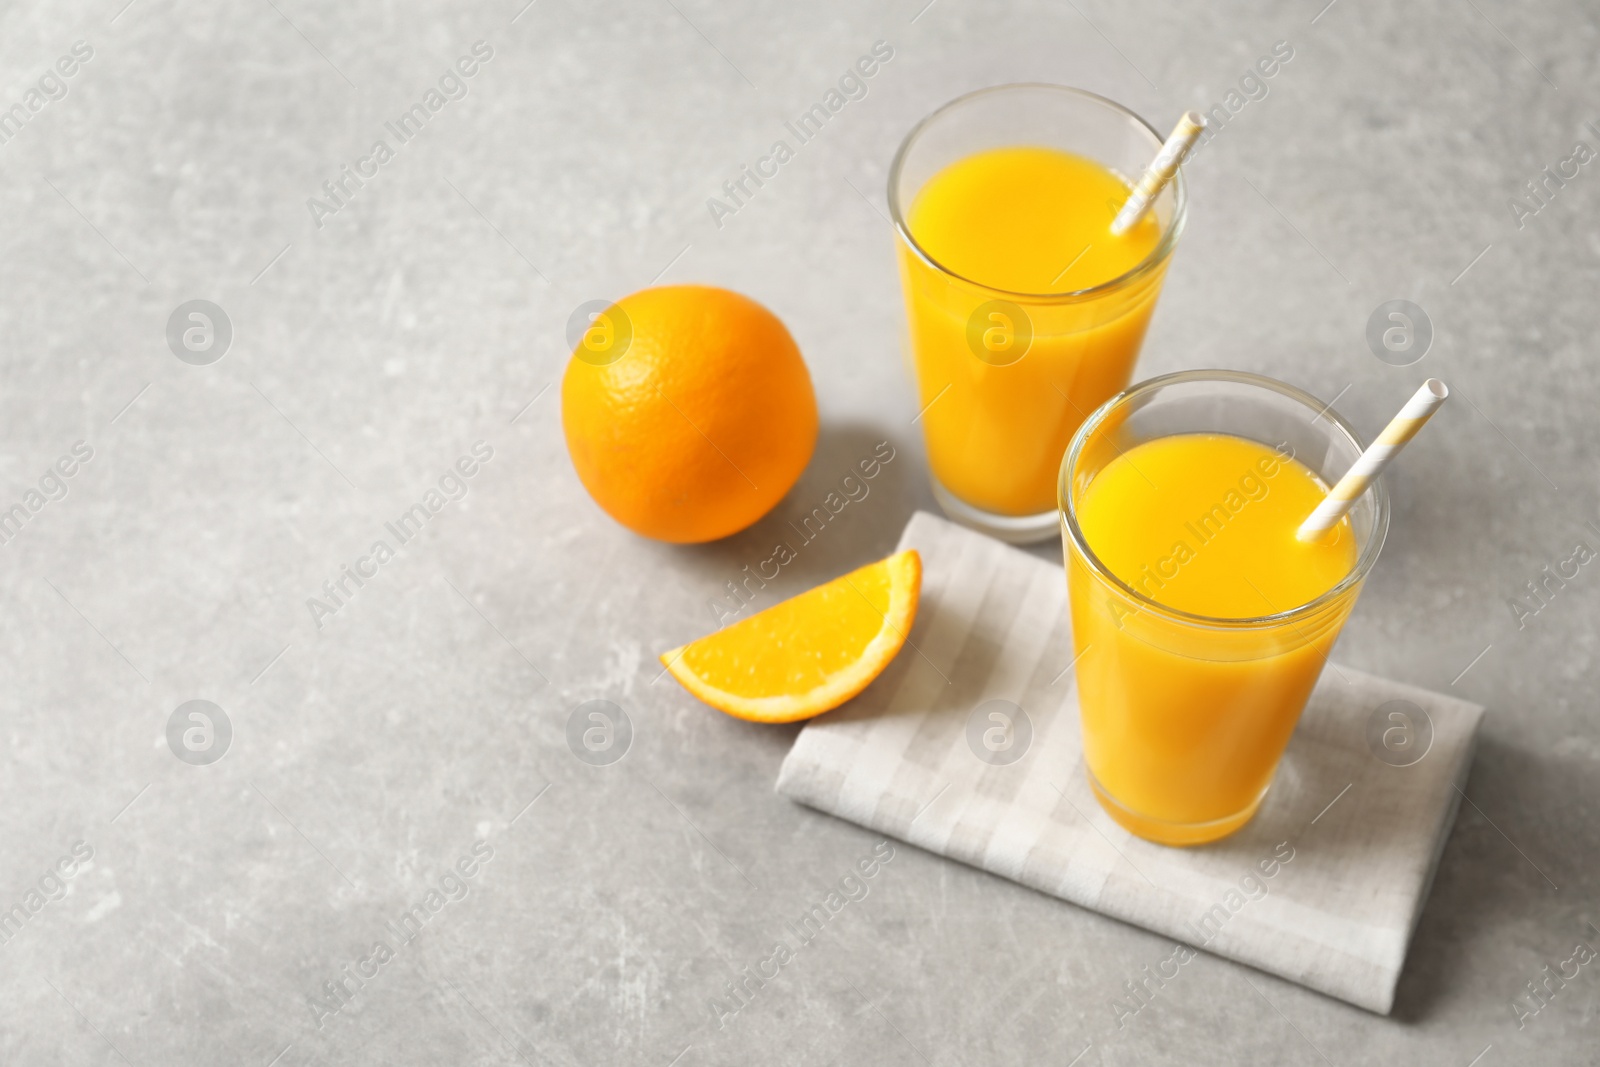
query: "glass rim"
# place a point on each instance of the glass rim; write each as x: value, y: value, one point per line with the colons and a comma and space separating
x: 1069, y: 520
x: 1157, y: 256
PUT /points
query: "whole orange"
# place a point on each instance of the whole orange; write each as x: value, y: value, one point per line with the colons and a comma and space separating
x: 688, y: 412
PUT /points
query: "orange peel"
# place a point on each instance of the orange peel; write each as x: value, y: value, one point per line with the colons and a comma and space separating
x: 810, y: 653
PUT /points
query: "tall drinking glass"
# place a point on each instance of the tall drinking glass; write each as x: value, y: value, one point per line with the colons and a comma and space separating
x: 1185, y: 716
x: 1005, y: 375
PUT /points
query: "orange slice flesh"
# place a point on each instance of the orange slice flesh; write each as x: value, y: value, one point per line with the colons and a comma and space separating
x: 810, y: 653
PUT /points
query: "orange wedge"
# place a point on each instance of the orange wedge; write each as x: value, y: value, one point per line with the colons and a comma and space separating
x: 810, y: 653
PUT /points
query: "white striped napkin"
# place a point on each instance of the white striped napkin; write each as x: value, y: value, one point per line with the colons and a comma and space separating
x: 1324, y: 887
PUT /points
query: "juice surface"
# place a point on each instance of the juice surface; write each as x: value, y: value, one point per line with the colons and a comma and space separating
x: 1184, y: 723
x: 1004, y: 387
x: 1029, y: 220
x: 1206, y: 523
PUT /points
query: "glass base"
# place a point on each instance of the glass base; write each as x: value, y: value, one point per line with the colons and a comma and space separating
x: 1170, y: 833
x: 1012, y: 529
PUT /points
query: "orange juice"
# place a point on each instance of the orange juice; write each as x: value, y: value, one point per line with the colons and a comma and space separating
x: 1011, y: 355
x: 1189, y: 690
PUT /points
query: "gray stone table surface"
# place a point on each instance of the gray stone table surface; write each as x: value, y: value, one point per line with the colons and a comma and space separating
x: 178, y: 912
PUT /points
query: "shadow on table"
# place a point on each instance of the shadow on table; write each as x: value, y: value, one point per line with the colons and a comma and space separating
x: 847, y: 509
x: 1488, y: 894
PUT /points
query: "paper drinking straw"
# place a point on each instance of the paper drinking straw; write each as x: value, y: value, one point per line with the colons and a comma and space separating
x: 1402, y: 428
x: 1159, y: 172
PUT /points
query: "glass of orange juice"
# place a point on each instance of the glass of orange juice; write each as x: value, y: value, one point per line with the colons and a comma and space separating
x: 1023, y: 312
x: 1200, y: 622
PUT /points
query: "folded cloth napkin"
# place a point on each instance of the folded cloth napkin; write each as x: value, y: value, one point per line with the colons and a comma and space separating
x: 1323, y: 887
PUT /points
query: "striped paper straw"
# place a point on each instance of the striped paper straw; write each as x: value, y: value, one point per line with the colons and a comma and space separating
x: 1402, y: 428
x: 1159, y: 172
